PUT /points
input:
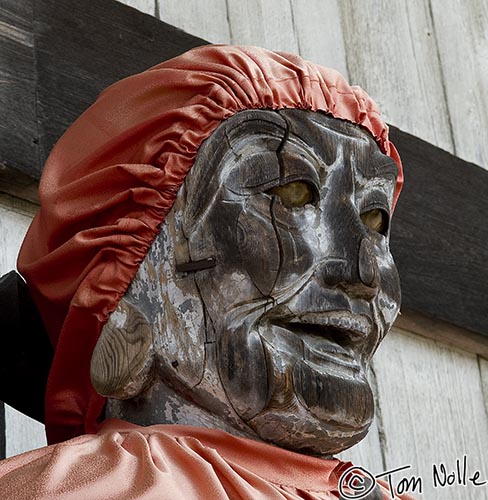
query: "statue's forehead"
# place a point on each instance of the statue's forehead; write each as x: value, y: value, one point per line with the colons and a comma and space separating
x: 265, y: 132
x: 323, y: 133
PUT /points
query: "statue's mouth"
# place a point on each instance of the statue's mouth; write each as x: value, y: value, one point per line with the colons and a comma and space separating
x: 337, y: 337
x: 342, y: 324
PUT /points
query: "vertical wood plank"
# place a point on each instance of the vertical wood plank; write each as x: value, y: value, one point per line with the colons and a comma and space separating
x: 431, y: 401
x: 319, y: 33
x: 483, y: 363
x: 2, y: 430
x: 15, y: 217
x: 21, y: 432
x: 392, y: 53
x: 266, y: 24
x: 146, y: 6
x: 207, y: 20
x: 461, y: 29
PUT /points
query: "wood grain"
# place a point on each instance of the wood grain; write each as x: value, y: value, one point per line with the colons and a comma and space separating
x: 70, y: 78
x: 438, y: 246
x: 266, y: 24
x: 461, y: 29
x: 204, y: 19
x: 21, y: 433
x: 146, y: 6
x: 319, y: 33
x: 439, y: 235
x: 13, y: 226
x: 484, y: 380
x: 431, y: 401
x: 121, y: 362
x: 391, y: 52
x: 18, y: 126
x: 16, y: 183
x: 447, y: 333
x: 2, y: 430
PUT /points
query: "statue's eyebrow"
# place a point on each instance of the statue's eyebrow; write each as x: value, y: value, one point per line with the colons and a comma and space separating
x: 379, y: 165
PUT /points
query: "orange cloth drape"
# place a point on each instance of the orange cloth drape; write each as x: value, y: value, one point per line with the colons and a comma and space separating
x: 113, y: 176
x: 168, y: 462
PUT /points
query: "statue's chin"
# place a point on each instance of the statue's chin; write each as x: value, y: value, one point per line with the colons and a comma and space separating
x: 319, y: 399
x: 331, y: 424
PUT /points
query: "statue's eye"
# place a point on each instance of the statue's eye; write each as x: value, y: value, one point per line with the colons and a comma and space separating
x: 294, y: 194
x: 376, y: 219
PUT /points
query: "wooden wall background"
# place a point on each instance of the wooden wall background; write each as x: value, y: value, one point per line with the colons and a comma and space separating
x: 426, y: 63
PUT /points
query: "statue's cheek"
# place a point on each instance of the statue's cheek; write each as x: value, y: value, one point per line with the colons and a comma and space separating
x: 259, y: 250
x: 297, y: 260
x: 243, y: 371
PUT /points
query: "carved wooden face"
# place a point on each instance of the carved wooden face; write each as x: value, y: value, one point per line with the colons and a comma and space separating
x: 276, y: 338
x: 294, y: 207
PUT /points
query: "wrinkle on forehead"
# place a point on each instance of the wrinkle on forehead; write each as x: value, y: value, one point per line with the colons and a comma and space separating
x: 354, y: 139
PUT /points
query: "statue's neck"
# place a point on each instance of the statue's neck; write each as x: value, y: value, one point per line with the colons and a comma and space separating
x: 162, y: 405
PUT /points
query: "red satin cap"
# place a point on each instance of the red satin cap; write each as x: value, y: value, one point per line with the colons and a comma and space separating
x: 113, y: 176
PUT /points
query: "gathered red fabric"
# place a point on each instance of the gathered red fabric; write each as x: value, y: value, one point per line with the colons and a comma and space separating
x: 114, y: 175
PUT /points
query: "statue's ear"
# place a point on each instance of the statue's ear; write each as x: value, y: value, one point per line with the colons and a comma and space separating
x: 121, y: 364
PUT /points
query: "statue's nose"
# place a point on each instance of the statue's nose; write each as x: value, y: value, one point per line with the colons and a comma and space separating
x: 355, y: 269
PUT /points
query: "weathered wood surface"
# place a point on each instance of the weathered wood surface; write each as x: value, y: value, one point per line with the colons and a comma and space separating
x: 391, y: 52
x: 18, y: 126
x: 120, y: 367
x: 72, y: 73
x: 368, y: 453
x: 288, y: 348
x: 319, y: 33
x: 439, y: 48
x: 48, y: 84
x: 439, y: 235
x: 380, y: 24
x: 432, y: 410
x: 461, y: 29
x: 194, y: 18
x: 442, y: 331
x: 484, y: 380
x: 271, y: 26
x: 430, y: 232
x: 146, y: 6
x: 2, y: 430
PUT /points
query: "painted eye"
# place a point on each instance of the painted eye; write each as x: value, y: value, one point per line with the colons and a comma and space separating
x: 376, y: 219
x: 294, y: 194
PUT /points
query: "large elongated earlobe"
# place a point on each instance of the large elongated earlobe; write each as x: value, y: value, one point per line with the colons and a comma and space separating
x: 121, y: 364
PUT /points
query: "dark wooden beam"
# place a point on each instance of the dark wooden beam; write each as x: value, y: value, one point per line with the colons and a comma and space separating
x: 18, y: 125
x: 61, y: 54
x: 440, y: 235
x: 56, y: 58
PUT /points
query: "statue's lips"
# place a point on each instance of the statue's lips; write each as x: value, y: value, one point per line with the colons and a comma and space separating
x: 331, y: 337
x: 353, y: 326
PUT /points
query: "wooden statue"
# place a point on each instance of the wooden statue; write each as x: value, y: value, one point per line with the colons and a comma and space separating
x: 212, y: 254
x: 261, y: 302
